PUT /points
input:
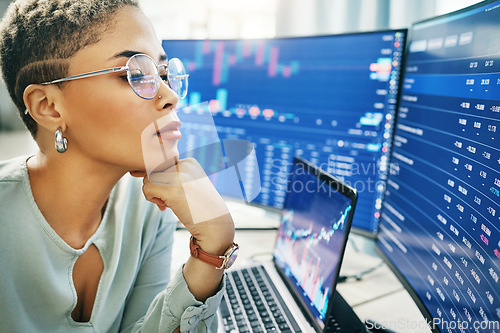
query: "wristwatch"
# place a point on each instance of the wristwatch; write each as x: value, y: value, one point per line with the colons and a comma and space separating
x: 220, y: 262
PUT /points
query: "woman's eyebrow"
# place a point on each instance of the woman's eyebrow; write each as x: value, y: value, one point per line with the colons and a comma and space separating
x: 130, y: 53
x: 126, y: 54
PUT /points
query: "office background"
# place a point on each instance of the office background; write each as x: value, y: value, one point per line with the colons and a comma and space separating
x: 264, y: 18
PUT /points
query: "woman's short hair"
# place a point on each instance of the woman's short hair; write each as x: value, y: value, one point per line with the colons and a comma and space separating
x: 37, y: 38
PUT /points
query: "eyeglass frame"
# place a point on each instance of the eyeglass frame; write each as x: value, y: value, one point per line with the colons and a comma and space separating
x: 119, y: 69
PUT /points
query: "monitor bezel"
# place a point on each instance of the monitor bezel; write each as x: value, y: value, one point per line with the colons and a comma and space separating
x: 352, y: 195
x: 450, y: 14
x: 393, y: 267
x: 346, y: 34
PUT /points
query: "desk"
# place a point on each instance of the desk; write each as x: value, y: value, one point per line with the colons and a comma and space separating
x: 378, y: 296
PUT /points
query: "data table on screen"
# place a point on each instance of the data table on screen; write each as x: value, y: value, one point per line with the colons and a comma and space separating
x: 440, y: 224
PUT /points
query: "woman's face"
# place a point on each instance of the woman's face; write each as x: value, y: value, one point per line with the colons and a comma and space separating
x: 106, y: 121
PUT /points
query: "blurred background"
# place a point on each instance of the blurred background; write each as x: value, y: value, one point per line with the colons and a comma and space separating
x: 200, y: 19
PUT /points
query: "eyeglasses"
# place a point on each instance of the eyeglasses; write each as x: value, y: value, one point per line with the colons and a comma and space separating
x: 144, y: 75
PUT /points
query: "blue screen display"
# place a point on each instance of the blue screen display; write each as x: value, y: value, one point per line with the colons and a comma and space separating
x: 330, y: 100
x: 440, y: 223
x: 311, y: 238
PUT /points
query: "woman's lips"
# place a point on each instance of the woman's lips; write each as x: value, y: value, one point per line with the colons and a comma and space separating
x: 170, y: 131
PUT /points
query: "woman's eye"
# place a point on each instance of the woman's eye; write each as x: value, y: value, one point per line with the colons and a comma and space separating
x: 124, y: 77
x: 136, y: 76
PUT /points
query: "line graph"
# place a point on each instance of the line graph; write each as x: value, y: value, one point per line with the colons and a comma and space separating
x: 305, y: 262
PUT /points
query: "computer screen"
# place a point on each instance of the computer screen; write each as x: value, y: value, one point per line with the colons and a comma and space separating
x: 329, y: 99
x: 315, y: 224
x: 440, y: 224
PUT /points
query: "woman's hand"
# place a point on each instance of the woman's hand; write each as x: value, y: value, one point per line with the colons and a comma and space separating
x: 186, y: 189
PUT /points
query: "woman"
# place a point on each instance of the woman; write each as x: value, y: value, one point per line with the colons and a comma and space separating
x: 82, y: 248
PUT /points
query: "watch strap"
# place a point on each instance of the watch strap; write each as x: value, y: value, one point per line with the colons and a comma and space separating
x: 198, y: 253
x: 218, y: 261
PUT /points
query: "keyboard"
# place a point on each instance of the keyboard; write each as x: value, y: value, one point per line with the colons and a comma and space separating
x: 252, y: 304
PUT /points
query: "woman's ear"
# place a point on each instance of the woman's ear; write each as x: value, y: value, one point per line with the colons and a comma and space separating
x: 42, y: 103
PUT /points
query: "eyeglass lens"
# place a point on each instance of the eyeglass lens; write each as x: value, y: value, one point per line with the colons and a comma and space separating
x: 144, y: 76
x: 177, y: 77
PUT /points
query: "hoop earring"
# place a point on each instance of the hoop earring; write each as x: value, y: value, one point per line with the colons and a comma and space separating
x: 60, y: 141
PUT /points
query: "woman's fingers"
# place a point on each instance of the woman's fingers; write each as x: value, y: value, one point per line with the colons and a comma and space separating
x: 160, y: 203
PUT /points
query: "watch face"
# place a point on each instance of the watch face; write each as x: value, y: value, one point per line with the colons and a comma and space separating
x: 232, y: 257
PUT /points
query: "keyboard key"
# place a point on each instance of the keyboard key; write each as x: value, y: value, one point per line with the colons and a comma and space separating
x: 271, y: 328
x: 274, y: 308
x: 283, y: 327
x: 229, y: 326
x: 253, y: 318
x: 279, y: 319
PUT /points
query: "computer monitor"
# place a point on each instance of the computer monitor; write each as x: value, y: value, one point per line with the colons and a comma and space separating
x: 329, y: 99
x: 440, y: 224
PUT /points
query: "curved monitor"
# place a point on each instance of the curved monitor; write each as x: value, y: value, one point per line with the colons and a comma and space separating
x: 329, y: 99
x: 440, y: 223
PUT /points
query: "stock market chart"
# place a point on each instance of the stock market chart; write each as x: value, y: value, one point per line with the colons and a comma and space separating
x: 310, y: 239
x: 440, y: 223
x: 329, y: 99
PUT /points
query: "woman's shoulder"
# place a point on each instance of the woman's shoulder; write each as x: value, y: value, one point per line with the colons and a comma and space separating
x: 13, y: 198
x: 13, y: 170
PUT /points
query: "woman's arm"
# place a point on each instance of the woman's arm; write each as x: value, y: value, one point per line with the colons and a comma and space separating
x: 186, y: 189
x: 194, y: 293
